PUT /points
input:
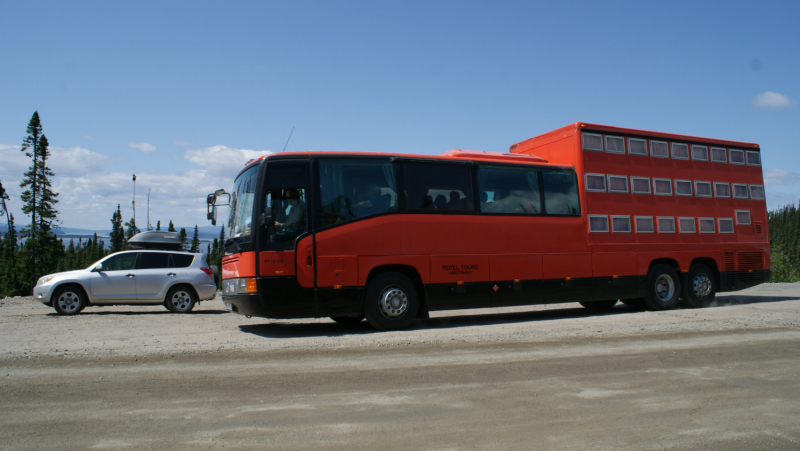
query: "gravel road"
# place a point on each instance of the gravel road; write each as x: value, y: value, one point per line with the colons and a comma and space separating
x: 541, y: 377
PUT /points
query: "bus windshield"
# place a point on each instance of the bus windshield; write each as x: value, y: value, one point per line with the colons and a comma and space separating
x: 242, y: 196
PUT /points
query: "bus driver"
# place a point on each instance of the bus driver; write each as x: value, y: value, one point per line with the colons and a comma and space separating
x: 296, y: 218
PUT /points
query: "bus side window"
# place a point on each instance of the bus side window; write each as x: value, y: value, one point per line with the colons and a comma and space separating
x: 560, y: 192
x: 352, y: 188
x: 509, y: 190
x: 437, y: 187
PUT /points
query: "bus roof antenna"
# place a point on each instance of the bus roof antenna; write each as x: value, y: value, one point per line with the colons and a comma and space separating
x: 287, y: 139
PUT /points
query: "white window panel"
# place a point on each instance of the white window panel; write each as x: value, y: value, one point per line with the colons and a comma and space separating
x: 707, y: 225
x: 719, y: 155
x: 596, y: 182
x: 680, y: 151
x: 666, y: 224
x: 621, y: 224
x: 753, y: 158
x: 756, y: 191
x: 617, y: 184
x: 637, y: 146
x: 592, y: 142
x: 644, y: 224
x: 662, y: 187
x: 683, y: 187
x: 659, y: 149
x: 725, y: 225
x: 640, y: 185
x: 687, y: 225
x: 722, y: 189
x: 700, y: 153
x: 598, y: 223
x: 615, y: 144
x: 702, y: 189
x: 736, y: 156
x: 739, y: 190
x: 743, y: 217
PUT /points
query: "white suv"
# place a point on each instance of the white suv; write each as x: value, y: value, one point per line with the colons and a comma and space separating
x: 178, y: 280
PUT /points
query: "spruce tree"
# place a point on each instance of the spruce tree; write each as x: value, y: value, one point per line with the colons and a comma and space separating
x: 131, y: 229
x: 195, y: 241
x: 117, y: 232
x: 171, y: 227
x: 8, y: 263
x: 158, y: 225
x: 183, y: 238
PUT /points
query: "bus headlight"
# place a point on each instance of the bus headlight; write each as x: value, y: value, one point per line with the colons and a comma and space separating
x: 229, y: 287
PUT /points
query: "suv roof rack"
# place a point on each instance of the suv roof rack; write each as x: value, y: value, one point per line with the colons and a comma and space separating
x: 156, y: 240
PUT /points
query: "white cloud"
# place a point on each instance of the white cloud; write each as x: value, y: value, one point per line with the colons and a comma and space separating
x: 76, y: 161
x: 222, y: 160
x: 780, y: 177
x: 772, y: 101
x: 144, y: 147
x: 180, y: 143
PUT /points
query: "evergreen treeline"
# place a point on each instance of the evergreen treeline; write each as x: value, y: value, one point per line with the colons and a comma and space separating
x: 784, y: 239
x: 36, y: 250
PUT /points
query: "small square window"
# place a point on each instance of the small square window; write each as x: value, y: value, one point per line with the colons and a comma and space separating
x: 702, y: 189
x: 659, y: 149
x: 683, y: 187
x: 700, y: 153
x: 592, y: 142
x: 707, y: 225
x: 742, y: 217
x: 719, y: 155
x: 662, y: 187
x: 595, y: 182
x: 621, y: 223
x: 666, y: 225
x: 615, y: 144
x: 637, y: 146
x: 644, y: 224
x: 756, y: 192
x: 722, y: 189
x: 754, y: 158
x: 617, y: 184
x: 598, y: 223
x: 725, y: 225
x: 680, y: 151
x: 640, y: 185
x: 687, y: 225
x: 737, y: 156
x: 739, y: 191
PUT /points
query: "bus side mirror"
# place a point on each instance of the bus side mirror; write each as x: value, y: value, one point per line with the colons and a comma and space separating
x: 212, y: 215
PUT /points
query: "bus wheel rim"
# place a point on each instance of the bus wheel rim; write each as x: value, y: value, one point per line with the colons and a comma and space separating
x: 393, y: 302
x: 181, y: 300
x: 68, y: 301
x: 701, y: 285
x: 665, y: 288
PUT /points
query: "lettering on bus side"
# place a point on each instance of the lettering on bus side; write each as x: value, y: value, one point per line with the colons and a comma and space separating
x: 459, y: 269
x: 272, y: 261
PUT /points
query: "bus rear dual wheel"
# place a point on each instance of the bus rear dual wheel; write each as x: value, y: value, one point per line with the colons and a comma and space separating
x: 664, y: 288
x: 391, y: 301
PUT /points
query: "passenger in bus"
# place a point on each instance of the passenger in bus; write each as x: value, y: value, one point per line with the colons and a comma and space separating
x: 296, y: 218
x: 440, y: 203
x: 455, y: 201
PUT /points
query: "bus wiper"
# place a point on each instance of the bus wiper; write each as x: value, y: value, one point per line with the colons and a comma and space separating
x: 231, y: 240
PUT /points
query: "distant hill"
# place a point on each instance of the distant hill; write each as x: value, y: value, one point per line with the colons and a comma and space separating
x: 206, y: 233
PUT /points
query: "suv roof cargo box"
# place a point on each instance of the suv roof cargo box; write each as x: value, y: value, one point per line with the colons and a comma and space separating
x: 156, y: 239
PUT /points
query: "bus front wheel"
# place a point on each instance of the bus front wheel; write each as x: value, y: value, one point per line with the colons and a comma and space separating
x: 391, y: 301
x: 663, y: 288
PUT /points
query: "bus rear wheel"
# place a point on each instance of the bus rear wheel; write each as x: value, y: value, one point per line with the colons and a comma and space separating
x: 663, y: 288
x: 391, y: 301
x: 699, y: 289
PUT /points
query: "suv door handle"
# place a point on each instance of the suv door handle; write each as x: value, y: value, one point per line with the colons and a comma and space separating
x: 172, y: 274
x: 131, y: 275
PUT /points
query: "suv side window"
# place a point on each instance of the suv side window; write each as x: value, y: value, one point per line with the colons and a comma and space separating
x: 121, y: 262
x: 180, y: 260
x: 152, y: 260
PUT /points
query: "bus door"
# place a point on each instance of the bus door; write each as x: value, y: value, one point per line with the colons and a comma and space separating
x: 284, y: 222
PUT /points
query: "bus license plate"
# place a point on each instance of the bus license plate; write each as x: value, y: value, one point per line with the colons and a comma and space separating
x: 228, y: 306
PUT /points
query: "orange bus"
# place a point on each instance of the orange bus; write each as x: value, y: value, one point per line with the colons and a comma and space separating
x: 586, y: 213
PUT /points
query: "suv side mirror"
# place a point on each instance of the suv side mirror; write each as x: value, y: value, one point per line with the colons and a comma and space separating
x: 98, y: 268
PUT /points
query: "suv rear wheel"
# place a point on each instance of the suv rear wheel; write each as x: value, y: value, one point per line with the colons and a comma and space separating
x: 180, y: 299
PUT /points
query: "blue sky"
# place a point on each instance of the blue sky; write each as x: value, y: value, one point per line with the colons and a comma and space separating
x: 182, y: 93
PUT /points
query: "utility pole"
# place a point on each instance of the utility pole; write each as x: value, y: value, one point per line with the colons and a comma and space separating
x: 134, y: 203
x: 149, y: 227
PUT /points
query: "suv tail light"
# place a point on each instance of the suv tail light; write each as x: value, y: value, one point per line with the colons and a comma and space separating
x: 208, y: 271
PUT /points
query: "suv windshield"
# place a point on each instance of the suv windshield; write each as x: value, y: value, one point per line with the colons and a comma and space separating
x: 242, y: 196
